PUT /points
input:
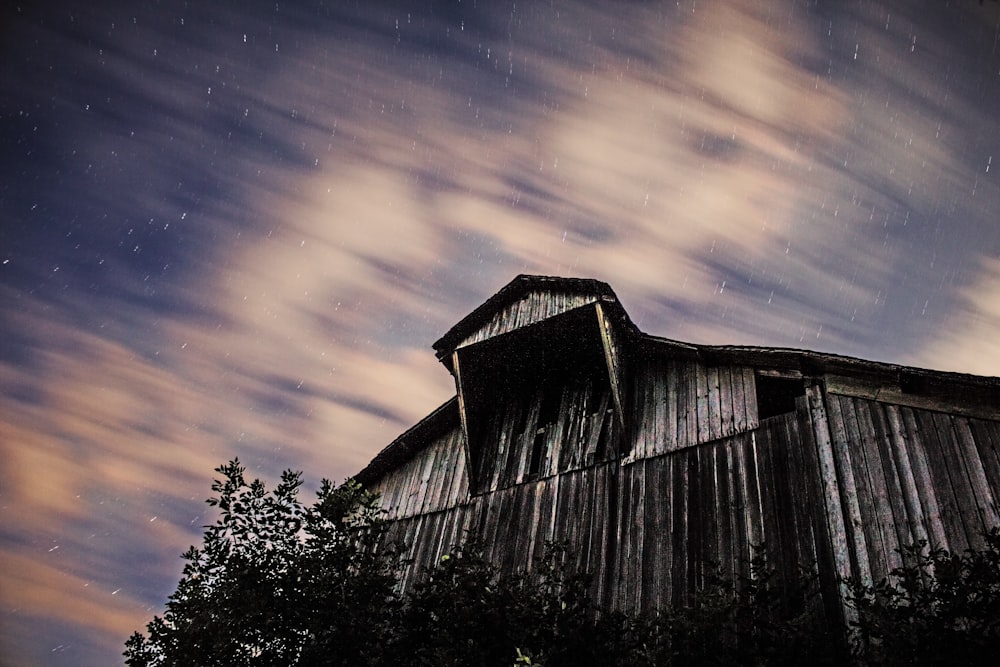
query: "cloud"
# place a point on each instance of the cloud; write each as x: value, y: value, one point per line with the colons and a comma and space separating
x: 969, y: 342
x: 258, y: 239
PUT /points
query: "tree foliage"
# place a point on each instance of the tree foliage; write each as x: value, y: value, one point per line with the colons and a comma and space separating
x: 275, y: 579
x: 938, y: 608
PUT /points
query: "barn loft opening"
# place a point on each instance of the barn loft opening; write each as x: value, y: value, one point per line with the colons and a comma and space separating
x: 535, y: 399
x: 776, y: 395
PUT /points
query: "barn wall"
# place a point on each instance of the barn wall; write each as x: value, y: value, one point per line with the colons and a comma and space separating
x: 649, y: 529
x: 430, y: 536
x: 836, y: 486
x: 678, y: 403
x: 711, y: 506
x: 436, y: 479
x: 908, y: 474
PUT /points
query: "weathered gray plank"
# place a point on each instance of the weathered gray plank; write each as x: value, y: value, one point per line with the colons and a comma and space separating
x: 750, y: 397
x: 962, y: 482
x: 726, y: 400
x: 738, y: 399
x: 702, y: 432
x: 801, y: 495
x: 920, y: 463
x: 873, y: 415
x: 671, y: 416
x: 938, y: 465
x: 899, y: 447
x: 679, y: 532
x: 835, y: 524
x: 848, y: 490
x: 974, y: 468
x: 651, y: 554
x: 865, y: 485
x: 741, y: 511
x: 988, y: 452
x: 714, y: 415
x: 724, y: 509
x: 691, y: 403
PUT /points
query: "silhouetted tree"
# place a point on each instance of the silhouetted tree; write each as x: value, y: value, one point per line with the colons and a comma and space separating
x: 277, y: 582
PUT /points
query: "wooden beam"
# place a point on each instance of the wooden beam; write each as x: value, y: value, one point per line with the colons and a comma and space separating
x: 614, y: 367
x: 945, y: 398
x: 471, y: 462
x: 839, y: 540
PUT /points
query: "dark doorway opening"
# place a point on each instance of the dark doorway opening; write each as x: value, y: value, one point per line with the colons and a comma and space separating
x: 776, y: 395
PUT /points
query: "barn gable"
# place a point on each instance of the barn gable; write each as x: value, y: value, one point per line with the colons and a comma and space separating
x: 539, y: 379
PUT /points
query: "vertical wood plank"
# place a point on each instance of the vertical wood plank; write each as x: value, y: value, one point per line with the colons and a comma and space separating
x: 938, y: 480
x: 873, y: 420
x: 726, y: 401
x: 651, y: 553
x: 848, y: 491
x: 958, y: 474
x: 691, y: 402
x: 924, y: 483
x: 835, y: 524
x: 801, y: 493
x: 988, y: 450
x: 714, y: 403
x: 679, y: 536
x: 899, y: 447
x: 740, y: 511
x: 702, y: 433
x: 724, y: 509
x: 975, y: 469
x: 669, y: 378
x: 739, y: 399
x: 750, y: 396
x: 866, y: 484
x: 662, y: 430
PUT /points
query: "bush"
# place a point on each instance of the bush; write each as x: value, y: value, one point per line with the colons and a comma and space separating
x: 938, y: 608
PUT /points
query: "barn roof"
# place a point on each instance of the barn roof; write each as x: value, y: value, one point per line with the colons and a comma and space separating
x: 406, y: 446
x: 516, y: 289
x: 958, y: 392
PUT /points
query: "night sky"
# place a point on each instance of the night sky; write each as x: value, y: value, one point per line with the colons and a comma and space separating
x: 235, y: 228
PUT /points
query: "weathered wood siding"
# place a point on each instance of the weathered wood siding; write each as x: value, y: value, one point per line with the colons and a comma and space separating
x: 707, y: 507
x: 837, y: 485
x: 534, y: 306
x: 437, y: 479
x: 650, y: 529
x: 553, y: 430
x: 678, y: 403
x: 430, y: 536
x: 910, y: 474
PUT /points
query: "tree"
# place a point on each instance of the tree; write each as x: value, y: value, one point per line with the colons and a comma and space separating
x: 277, y: 582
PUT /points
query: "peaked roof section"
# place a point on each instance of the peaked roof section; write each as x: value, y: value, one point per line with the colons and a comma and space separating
x: 518, y: 288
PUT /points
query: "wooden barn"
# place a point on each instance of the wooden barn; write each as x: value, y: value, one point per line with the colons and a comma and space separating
x: 654, y: 458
